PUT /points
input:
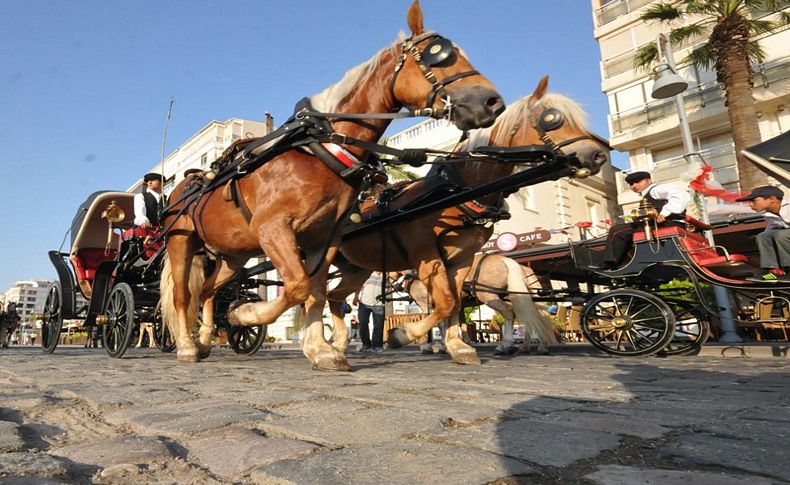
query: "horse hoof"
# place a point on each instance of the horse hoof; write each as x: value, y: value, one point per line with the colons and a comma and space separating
x: 397, y: 338
x: 467, y: 358
x: 505, y: 351
x: 338, y: 365
x: 188, y: 357
x: 204, y: 354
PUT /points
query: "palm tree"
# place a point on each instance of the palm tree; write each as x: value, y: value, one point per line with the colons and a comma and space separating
x: 730, y: 49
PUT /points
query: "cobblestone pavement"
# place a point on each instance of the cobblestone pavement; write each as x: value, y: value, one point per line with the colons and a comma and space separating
x: 400, y: 417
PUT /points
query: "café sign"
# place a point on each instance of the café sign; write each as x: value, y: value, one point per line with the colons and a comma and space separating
x: 508, y: 241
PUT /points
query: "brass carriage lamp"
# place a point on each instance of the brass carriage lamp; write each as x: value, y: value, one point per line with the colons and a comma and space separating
x: 112, y: 214
x: 645, y: 213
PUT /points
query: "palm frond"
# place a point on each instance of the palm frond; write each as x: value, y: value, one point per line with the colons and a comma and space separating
x: 760, y: 7
x: 784, y: 18
x: 704, y: 7
x: 661, y: 12
x: 756, y: 52
x: 681, y: 34
x: 702, y: 57
x: 757, y: 27
x: 645, y: 56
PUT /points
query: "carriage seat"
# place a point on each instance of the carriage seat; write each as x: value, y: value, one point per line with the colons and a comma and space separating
x: 149, y: 250
x: 87, y: 260
x: 698, y: 248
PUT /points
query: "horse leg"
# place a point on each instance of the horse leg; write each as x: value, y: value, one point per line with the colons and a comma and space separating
x: 460, y: 351
x: 315, y: 347
x: 279, y: 244
x: 221, y: 274
x: 352, y: 279
x: 180, y: 251
x: 507, y: 345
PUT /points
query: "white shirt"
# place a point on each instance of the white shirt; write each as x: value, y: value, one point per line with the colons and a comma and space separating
x: 677, y: 198
x: 781, y: 220
x: 139, y: 207
x: 371, y: 289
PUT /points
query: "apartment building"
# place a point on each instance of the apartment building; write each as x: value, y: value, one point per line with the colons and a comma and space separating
x: 543, y: 213
x: 29, y: 296
x: 647, y: 129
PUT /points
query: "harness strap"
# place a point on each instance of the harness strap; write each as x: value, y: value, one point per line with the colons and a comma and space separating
x: 238, y: 200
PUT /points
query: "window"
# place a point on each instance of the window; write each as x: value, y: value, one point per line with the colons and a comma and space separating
x: 203, y: 160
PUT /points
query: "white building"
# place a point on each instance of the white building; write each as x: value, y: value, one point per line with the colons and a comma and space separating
x: 648, y: 129
x: 29, y: 296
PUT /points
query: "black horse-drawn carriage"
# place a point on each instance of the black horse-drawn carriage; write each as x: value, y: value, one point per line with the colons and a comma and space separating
x: 116, y: 267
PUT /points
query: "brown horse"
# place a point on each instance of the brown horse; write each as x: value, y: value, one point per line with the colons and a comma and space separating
x: 295, y: 200
x: 441, y: 245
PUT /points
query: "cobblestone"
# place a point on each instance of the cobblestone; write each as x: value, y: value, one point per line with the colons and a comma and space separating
x: 78, y: 416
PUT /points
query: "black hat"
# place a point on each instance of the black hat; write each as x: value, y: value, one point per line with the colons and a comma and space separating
x: 152, y: 176
x: 636, y: 177
x: 764, y: 191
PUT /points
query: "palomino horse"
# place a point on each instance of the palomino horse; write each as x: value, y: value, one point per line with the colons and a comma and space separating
x: 441, y: 245
x: 492, y: 277
x: 295, y: 200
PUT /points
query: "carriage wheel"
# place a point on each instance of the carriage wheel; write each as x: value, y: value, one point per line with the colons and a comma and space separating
x: 53, y: 320
x: 628, y: 322
x: 118, y: 331
x: 246, y: 340
x: 162, y: 336
x: 692, y: 328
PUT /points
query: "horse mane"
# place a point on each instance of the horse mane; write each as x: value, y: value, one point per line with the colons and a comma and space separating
x: 330, y: 99
x: 519, y: 111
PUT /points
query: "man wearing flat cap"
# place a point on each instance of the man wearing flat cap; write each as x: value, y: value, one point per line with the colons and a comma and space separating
x: 670, y: 202
x: 774, y: 242
x: 149, y: 204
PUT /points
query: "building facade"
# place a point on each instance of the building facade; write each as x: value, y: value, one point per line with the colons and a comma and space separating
x: 647, y: 129
x: 28, y: 296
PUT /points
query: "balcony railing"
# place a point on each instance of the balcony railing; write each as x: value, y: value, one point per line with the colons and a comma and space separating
x: 617, y: 8
x: 696, y: 98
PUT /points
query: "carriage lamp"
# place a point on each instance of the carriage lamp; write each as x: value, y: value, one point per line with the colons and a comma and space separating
x: 645, y: 212
x: 112, y: 214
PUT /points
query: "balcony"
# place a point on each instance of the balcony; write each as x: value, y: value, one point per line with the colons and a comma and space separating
x: 696, y: 98
x: 617, y: 8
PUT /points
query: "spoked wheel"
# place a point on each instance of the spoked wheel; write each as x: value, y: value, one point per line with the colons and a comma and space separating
x: 162, y: 336
x: 692, y: 328
x: 246, y: 340
x: 53, y: 320
x: 628, y: 322
x: 119, y: 329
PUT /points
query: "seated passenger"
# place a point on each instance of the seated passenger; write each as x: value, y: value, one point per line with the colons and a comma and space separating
x: 670, y: 202
x: 774, y: 242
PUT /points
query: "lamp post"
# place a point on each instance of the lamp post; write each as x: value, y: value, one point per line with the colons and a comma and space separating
x: 669, y: 84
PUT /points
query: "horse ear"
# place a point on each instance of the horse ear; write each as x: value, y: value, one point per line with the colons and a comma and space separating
x: 540, y: 90
x: 415, y: 18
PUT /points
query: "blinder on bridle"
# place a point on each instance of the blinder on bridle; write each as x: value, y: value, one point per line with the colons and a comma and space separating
x: 552, y: 119
x: 440, y: 52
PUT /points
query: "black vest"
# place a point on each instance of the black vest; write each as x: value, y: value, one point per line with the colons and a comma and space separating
x: 152, y: 207
x: 660, y: 203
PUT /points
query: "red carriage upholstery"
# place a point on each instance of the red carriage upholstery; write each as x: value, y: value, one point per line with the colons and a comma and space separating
x: 86, y: 261
x: 695, y: 245
x: 150, y: 249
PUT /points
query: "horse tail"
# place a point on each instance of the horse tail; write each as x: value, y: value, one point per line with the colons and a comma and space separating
x: 166, y: 286
x: 534, y: 317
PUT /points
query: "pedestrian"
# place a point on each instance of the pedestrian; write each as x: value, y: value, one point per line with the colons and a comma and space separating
x: 354, y: 334
x: 370, y: 303
x: 146, y: 328
x: 669, y: 201
x: 773, y: 243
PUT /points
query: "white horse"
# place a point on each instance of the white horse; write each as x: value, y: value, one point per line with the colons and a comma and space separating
x: 493, y: 276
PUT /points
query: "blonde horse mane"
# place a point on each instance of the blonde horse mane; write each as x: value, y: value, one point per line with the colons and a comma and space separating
x: 519, y: 111
x: 330, y: 99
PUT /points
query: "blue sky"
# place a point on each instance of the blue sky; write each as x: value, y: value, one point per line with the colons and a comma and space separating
x: 85, y: 84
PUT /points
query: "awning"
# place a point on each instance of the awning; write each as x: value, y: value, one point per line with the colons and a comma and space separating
x: 772, y: 157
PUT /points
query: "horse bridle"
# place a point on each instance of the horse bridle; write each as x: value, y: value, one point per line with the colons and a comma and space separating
x: 439, y: 52
x: 552, y: 119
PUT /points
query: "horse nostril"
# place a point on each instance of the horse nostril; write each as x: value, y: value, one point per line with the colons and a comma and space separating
x: 600, y: 158
x: 495, y: 104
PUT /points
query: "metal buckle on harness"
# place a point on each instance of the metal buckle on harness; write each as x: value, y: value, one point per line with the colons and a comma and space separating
x: 338, y: 139
x: 448, y: 106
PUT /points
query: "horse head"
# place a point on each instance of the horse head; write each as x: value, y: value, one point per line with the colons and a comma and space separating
x: 432, y: 72
x: 554, y: 120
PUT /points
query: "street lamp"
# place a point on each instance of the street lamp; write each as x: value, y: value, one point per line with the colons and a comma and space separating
x: 669, y: 84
